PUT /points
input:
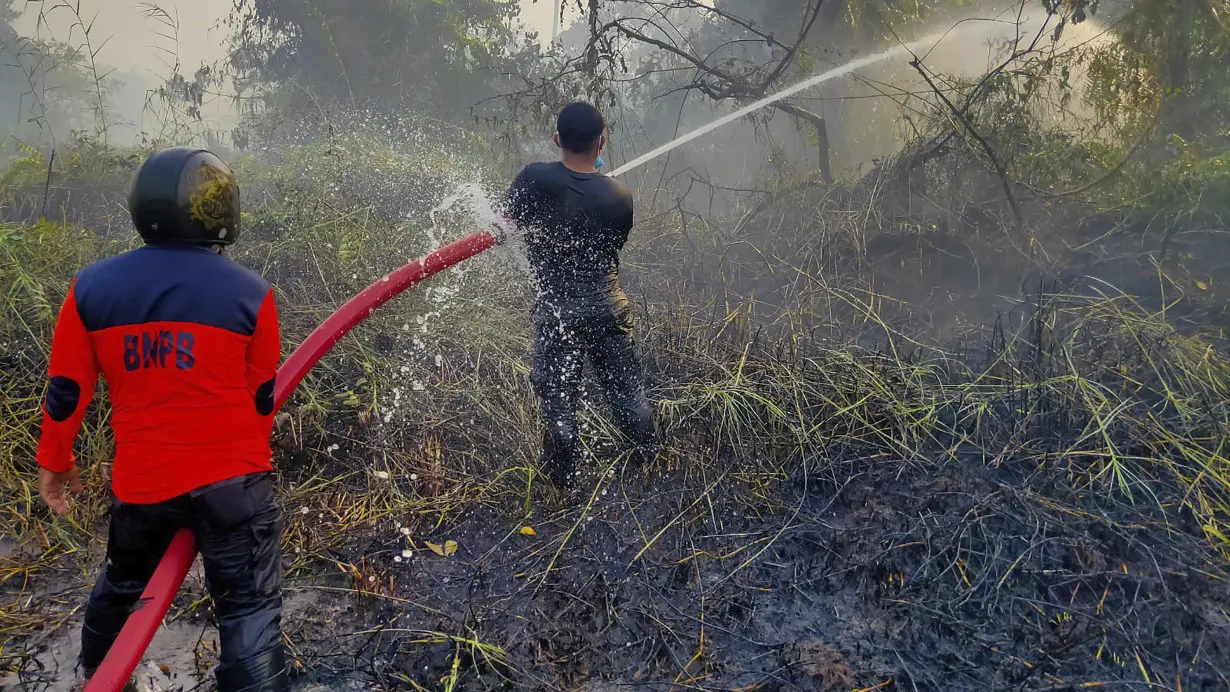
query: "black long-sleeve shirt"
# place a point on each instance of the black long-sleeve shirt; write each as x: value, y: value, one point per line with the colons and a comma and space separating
x: 575, y: 225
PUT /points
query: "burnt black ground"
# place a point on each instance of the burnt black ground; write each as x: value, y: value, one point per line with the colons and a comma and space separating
x: 863, y: 573
x: 930, y: 577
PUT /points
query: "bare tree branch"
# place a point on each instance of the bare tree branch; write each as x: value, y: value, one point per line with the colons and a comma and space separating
x: 733, y: 86
x: 793, y: 51
x: 982, y: 142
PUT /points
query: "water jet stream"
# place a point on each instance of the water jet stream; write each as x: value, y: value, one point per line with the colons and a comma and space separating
x: 821, y: 78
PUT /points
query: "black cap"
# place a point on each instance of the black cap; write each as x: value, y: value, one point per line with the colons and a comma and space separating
x: 186, y: 196
x: 579, y: 126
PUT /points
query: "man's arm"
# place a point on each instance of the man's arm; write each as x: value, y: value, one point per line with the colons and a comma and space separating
x: 264, y: 352
x: 71, y: 378
x: 624, y: 219
x: 517, y: 201
x: 72, y: 375
x: 519, y: 206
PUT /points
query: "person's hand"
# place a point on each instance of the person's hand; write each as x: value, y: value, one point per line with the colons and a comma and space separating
x: 505, y: 230
x: 51, y: 487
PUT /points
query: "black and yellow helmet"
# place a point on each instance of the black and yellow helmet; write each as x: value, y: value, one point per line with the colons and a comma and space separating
x: 186, y: 196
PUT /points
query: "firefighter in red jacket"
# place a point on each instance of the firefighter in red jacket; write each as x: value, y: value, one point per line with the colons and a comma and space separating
x: 188, y: 343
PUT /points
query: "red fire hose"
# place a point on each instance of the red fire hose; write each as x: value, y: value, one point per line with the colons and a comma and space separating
x: 129, y: 647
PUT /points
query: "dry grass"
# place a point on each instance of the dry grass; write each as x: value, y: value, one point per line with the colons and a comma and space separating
x: 774, y: 363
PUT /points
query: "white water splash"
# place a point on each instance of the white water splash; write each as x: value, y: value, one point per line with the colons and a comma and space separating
x: 472, y: 201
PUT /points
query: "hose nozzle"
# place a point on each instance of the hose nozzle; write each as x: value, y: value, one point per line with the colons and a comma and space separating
x: 504, y: 230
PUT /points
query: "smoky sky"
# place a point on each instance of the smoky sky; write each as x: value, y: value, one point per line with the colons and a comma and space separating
x: 140, y: 52
x: 133, y: 41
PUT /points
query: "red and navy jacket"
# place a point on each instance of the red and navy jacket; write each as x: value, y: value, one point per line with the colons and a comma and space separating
x: 188, y: 343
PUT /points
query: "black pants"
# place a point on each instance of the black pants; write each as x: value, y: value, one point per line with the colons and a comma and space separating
x: 237, y: 526
x: 565, y: 333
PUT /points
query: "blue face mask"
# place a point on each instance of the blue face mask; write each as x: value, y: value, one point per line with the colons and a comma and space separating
x: 599, y: 163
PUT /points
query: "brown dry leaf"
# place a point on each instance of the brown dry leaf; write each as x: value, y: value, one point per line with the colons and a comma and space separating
x: 450, y: 547
x: 437, y: 548
x: 1202, y: 285
x: 528, y: 531
x: 824, y: 665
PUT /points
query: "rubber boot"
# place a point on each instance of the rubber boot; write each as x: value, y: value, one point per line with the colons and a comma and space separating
x: 85, y: 675
x: 561, y: 446
x: 264, y: 672
x: 95, y: 643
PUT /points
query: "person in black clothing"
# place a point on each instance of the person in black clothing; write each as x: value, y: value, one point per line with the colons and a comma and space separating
x: 575, y: 222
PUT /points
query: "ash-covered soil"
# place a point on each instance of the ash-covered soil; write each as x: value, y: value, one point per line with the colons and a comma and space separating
x: 869, y: 575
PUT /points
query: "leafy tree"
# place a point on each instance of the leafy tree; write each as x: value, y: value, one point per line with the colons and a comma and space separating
x: 1171, y: 60
x: 438, y: 56
x: 1221, y: 12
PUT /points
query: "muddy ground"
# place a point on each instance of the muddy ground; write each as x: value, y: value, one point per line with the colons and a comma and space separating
x: 864, y: 575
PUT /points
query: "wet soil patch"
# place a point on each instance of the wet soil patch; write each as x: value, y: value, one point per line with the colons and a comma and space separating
x: 180, y: 657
